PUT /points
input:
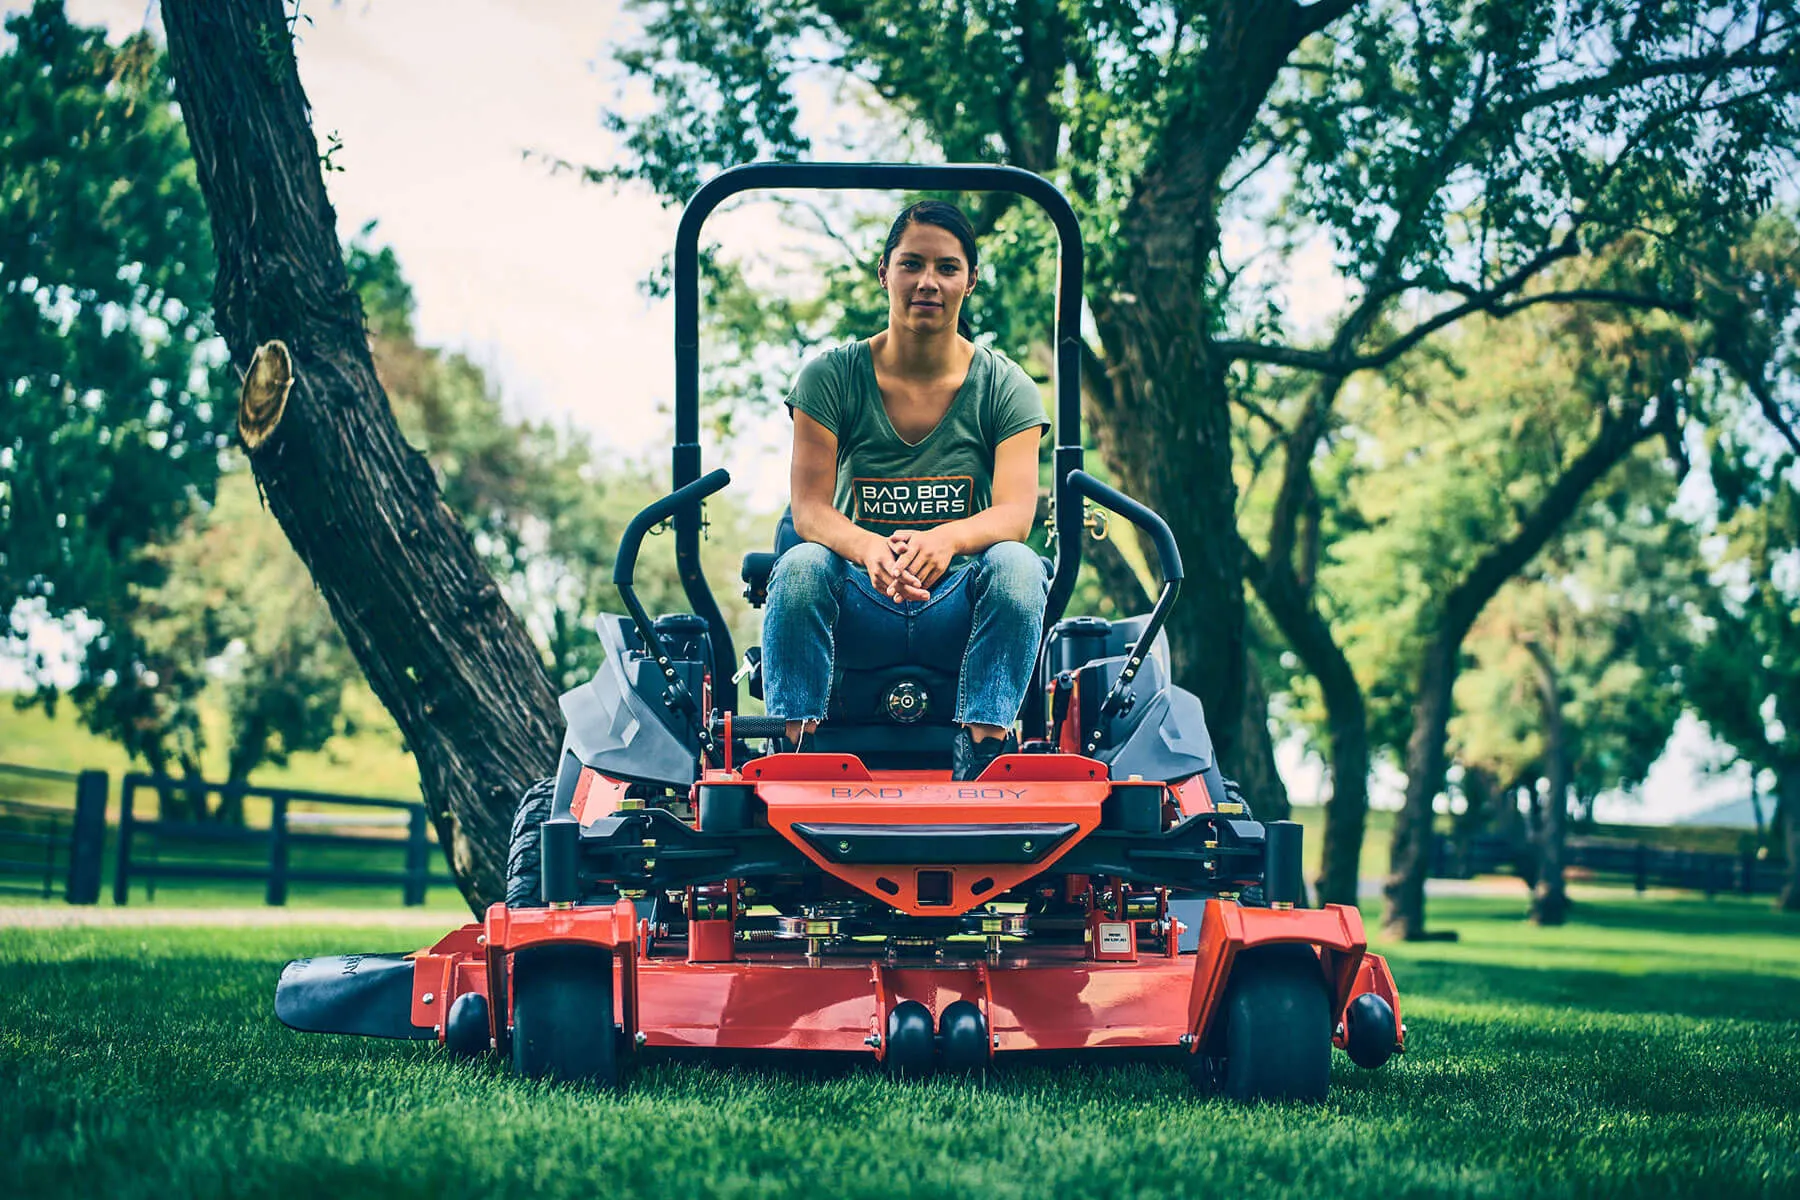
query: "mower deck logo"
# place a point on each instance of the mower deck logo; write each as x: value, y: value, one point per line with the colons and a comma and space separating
x: 929, y: 500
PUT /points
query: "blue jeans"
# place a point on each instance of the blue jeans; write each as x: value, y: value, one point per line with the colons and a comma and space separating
x: 988, y: 615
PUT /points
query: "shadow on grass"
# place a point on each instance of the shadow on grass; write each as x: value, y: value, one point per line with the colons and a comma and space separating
x: 1704, y: 994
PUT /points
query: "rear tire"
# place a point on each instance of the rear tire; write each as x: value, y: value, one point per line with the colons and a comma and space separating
x: 524, y: 857
x: 563, y: 1015
x: 1277, y: 1037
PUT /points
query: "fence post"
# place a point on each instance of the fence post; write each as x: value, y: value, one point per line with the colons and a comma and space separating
x: 122, y: 865
x: 278, y: 850
x: 417, y: 858
x: 87, y: 838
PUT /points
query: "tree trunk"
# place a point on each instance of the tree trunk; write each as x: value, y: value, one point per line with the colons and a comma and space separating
x: 1480, y: 800
x: 1172, y: 413
x: 1257, y: 773
x: 1514, y: 827
x: 1347, y: 725
x: 1787, y: 790
x: 424, y: 619
x: 1550, y: 896
x: 1410, y: 850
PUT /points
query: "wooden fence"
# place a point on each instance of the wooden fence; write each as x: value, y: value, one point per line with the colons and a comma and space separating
x: 142, y: 842
x: 1645, y: 865
x: 44, y: 845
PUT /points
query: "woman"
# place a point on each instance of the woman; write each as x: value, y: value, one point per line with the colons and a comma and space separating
x: 914, y: 482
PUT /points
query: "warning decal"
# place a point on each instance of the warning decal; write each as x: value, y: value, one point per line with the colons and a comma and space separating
x: 931, y: 500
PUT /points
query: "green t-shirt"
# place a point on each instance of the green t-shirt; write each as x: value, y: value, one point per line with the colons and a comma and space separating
x: 886, y: 484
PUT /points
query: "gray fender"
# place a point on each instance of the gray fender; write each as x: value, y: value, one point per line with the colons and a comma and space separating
x: 617, y: 727
x: 1170, y: 743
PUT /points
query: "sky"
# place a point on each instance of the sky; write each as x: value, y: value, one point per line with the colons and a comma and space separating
x: 435, y: 104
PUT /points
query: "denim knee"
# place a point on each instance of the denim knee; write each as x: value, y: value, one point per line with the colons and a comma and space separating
x: 805, y: 574
x: 1013, y: 574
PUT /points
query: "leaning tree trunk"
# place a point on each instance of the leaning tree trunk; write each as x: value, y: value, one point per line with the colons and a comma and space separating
x: 424, y: 619
x: 1550, y: 895
x: 1410, y: 852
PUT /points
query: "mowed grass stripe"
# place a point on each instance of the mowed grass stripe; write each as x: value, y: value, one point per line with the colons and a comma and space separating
x: 1653, y: 1049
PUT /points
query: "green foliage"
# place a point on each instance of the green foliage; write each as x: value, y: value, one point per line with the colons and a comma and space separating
x: 1614, y: 600
x: 1646, y: 1051
x: 112, y: 386
x: 1447, y: 454
x: 1745, y: 681
x: 1440, y: 146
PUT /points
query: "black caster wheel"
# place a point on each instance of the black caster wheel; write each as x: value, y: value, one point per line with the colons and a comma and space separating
x: 1277, y: 1027
x: 909, y: 1041
x: 466, y: 1031
x: 1369, y: 1031
x: 563, y: 1015
x: 963, y: 1037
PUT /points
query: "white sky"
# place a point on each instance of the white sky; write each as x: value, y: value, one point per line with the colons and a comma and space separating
x: 536, y: 276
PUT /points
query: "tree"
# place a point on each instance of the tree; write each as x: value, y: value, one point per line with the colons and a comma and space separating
x: 111, y: 420
x: 1745, y: 682
x: 1451, y: 155
x: 1484, y: 113
x: 1577, y: 668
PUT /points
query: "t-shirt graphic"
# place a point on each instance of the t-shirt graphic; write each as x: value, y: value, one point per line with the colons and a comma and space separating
x: 885, y: 483
x: 930, y: 500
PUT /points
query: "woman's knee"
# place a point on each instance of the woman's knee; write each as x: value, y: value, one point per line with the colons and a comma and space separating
x: 1014, y: 574
x: 805, y: 574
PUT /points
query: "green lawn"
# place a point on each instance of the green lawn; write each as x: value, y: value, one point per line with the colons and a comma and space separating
x: 1652, y: 1049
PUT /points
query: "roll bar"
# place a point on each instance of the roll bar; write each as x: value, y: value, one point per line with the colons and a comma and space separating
x: 1169, y: 561
x: 970, y: 177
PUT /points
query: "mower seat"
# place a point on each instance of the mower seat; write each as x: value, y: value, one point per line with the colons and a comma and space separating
x: 889, y: 711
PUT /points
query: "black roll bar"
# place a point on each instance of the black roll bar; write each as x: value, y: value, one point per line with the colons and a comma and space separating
x: 683, y: 500
x: 959, y: 177
x: 1169, y: 562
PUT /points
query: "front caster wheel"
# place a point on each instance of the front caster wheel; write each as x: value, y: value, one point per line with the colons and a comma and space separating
x: 466, y: 1031
x: 963, y: 1037
x: 909, y: 1041
x: 1277, y: 1027
x: 563, y: 1015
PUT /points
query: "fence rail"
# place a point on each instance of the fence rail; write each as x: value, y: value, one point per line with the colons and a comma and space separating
x: 1647, y: 866
x: 277, y: 843
x: 44, y: 843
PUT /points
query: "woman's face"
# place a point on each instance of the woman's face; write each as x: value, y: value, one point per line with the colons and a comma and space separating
x: 927, y: 277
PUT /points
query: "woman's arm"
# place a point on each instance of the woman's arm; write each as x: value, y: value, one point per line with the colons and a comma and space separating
x: 812, y: 480
x: 926, y: 553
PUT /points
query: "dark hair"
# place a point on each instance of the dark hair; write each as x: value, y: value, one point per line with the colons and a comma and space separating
x: 945, y: 216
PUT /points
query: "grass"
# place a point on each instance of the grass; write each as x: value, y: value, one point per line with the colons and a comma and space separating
x: 1651, y: 1049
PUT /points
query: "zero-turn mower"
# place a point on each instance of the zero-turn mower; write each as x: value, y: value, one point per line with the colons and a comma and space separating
x: 671, y: 887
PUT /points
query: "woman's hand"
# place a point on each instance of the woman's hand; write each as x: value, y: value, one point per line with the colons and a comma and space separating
x: 922, y: 557
x: 876, y: 554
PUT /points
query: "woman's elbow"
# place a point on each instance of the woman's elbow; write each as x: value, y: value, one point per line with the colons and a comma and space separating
x: 808, y: 522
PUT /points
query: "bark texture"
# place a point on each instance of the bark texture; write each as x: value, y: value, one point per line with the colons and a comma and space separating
x: 1549, y: 894
x: 1410, y: 850
x: 423, y: 617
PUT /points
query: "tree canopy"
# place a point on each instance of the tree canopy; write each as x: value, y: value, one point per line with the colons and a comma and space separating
x: 113, y: 407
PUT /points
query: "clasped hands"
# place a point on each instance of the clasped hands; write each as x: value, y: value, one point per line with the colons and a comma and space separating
x: 906, y: 564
